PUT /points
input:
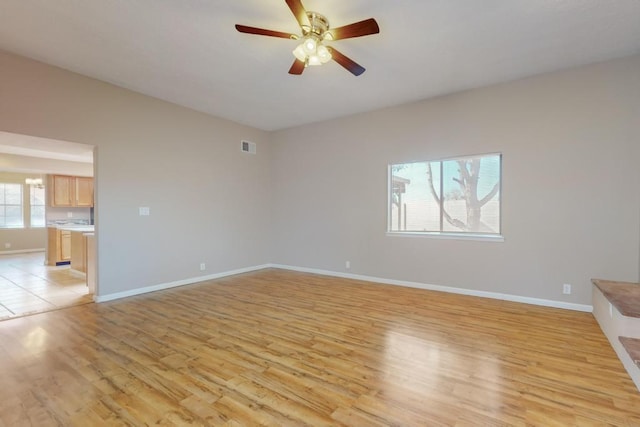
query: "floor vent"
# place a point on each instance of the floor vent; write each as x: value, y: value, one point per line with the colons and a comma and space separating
x: 248, y: 147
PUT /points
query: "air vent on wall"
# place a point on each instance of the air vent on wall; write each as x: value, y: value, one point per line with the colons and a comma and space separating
x: 248, y: 147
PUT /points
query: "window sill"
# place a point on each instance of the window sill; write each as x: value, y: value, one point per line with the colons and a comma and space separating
x: 448, y: 236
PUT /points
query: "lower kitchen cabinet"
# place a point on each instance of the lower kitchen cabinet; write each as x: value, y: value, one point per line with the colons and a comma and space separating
x: 79, y: 251
x: 59, y: 246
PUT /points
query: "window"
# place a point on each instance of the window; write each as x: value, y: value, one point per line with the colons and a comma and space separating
x: 36, y: 201
x: 471, y: 202
x: 11, y: 206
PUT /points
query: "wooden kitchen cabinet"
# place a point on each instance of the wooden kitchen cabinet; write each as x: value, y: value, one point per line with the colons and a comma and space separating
x: 59, y: 246
x: 65, y: 245
x: 61, y: 190
x: 70, y: 191
x: 84, y: 192
x: 79, y: 251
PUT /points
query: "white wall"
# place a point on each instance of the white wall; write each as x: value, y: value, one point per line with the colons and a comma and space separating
x: 571, y: 199
x: 315, y: 196
x: 23, y: 240
x: 208, y: 200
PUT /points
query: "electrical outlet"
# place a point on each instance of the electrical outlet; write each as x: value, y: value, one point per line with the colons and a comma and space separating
x: 203, y: 267
x: 144, y: 211
x: 7, y: 245
x: 566, y: 289
x: 347, y: 265
x: 69, y: 214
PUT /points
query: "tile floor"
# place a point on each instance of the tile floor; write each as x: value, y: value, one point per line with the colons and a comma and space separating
x: 27, y: 286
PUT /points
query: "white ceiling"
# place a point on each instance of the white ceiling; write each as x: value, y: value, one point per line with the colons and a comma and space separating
x: 188, y: 52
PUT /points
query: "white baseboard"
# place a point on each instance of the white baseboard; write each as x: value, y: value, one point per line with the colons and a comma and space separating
x: 462, y: 291
x: 21, y: 251
x: 169, y: 285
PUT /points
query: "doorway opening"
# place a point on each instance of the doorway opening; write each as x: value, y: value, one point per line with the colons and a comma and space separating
x: 47, y: 236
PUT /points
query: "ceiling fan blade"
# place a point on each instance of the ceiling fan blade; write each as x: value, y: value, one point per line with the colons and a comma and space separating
x: 297, y: 67
x: 299, y: 12
x: 357, y: 29
x: 263, y: 32
x: 346, y: 62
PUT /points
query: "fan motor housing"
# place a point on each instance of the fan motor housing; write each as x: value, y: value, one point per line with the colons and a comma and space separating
x: 319, y: 24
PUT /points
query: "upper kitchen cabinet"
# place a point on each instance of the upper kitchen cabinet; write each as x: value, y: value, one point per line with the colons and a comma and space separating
x: 70, y: 191
x: 61, y: 190
x: 84, y: 192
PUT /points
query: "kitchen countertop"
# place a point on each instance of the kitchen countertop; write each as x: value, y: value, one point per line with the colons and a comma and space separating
x: 72, y: 227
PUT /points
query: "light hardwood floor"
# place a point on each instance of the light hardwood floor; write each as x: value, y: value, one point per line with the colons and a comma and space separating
x: 283, y: 348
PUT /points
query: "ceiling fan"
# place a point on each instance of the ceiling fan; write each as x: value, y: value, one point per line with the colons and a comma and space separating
x: 315, y: 31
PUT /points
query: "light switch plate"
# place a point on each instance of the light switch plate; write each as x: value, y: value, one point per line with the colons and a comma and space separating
x: 144, y: 211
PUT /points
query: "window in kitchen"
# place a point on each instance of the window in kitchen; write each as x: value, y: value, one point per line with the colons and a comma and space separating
x: 36, y: 205
x: 452, y: 197
x: 11, y: 206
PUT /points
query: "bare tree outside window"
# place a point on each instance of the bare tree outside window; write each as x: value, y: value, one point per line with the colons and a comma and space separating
x: 449, y: 196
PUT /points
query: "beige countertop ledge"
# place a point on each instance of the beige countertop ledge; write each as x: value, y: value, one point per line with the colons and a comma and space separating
x: 625, y: 296
x: 71, y: 227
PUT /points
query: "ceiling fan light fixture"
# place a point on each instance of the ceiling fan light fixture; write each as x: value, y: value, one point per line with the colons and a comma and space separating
x: 323, y: 54
x: 312, y: 52
x: 299, y: 53
x: 310, y: 45
x: 314, y: 60
x: 315, y: 31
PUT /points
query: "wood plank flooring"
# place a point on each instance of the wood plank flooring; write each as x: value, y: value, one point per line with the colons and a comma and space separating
x: 283, y: 348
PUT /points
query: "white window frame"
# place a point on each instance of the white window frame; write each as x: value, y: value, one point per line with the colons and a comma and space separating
x: 4, y: 205
x: 458, y: 235
x: 31, y: 205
